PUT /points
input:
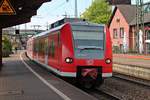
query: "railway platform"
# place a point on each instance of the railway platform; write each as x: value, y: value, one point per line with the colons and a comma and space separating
x: 129, y: 59
x: 132, y: 65
x: 21, y: 79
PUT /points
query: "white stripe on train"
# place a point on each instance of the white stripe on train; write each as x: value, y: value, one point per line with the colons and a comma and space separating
x: 68, y: 74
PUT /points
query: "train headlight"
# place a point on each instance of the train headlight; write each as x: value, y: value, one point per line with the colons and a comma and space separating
x: 68, y: 60
x: 108, y: 61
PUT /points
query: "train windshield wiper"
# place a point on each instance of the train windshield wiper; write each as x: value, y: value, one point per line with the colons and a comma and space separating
x: 89, y: 47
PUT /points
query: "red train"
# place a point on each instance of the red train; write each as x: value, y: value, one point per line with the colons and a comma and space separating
x: 81, y: 50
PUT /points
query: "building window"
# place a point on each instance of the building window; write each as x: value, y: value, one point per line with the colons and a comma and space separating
x: 148, y: 35
x: 148, y: 48
x: 121, y: 32
x: 115, y: 35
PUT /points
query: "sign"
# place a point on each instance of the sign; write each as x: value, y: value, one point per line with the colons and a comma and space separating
x: 90, y: 61
x: 6, y: 8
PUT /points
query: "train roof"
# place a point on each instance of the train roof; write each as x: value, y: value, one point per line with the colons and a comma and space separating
x: 76, y: 27
x: 78, y: 21
x: 49, y: 31
x: 65, y: 20
x: 87, y: 26
x: 86, y: 23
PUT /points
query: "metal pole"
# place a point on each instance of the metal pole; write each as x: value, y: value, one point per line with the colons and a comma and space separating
x: 0, y: 48
x: 137, y: 25
x: 142, y: 20
x: 142, y: 15
x: 76, y: 9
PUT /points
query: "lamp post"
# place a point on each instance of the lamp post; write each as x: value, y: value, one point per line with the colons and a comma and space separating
x: 0, y: 48
x: 76, y: 9
x: 139, y: 21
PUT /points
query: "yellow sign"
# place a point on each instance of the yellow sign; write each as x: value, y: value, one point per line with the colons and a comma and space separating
x: 6, y: 8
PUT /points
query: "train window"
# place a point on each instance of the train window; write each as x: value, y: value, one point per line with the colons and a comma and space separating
x: 46, y: 46
x: 52, y: 49
x: 36, y: 46
x: 89, y: 44
x: 43, y: 45
x: 39, y: 46
x: 58, y: 38
x: 93, y: 39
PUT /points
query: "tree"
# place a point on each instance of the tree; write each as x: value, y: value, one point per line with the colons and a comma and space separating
x: 6, y: 46
x: 98, y: 12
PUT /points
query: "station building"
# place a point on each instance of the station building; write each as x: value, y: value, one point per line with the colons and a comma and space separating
x: 122, y: 26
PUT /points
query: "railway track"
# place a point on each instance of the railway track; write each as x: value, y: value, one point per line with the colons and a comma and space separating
x: 107, y: 92
x: 133, y: 80
x: 101, y: 94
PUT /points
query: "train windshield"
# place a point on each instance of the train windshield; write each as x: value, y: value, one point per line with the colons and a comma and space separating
x: 88, y: 41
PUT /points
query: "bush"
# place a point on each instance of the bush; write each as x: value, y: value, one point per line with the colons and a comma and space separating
x: 6, y: 46
x: 116, y: 49
x: 133, y: 51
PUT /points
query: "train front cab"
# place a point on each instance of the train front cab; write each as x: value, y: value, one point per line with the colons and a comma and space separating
x: 100, y: 68
x: 86, y: 55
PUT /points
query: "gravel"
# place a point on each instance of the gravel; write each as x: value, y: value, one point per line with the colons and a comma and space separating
x: 126, y: 90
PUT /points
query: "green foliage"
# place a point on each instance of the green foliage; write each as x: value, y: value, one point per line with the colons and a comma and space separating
x: 98, y: 12
x: 132, y: 51
x: 116, y: 49
x: 6, y: 46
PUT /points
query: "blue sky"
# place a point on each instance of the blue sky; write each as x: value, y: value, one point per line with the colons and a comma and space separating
x: 54, y: 10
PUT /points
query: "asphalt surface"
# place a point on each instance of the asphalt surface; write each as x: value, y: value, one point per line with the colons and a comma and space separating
x: 17, y: 82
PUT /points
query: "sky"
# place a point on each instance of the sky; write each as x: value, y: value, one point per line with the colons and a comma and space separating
x: 56, y: 9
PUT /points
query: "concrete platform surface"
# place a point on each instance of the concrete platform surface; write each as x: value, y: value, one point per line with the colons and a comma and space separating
x: 135, y: 60
x: 17, y: 82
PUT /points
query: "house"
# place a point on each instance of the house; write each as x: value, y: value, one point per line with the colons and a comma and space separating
x: 122, y: 26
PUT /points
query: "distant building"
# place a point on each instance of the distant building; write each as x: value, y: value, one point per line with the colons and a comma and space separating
x: 123, y: 21
x: 19, y: 37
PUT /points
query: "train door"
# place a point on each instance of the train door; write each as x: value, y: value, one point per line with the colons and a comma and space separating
x: 54, y: 50
x: 59, y: 49
x: 36, y: 49
x: 46, y: 50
